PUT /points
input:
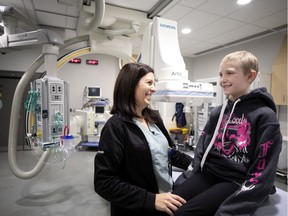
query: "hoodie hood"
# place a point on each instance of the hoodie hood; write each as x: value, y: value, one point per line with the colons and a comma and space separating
x: 261, y: 94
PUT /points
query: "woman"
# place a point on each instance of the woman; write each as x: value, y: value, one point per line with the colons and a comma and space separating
x: 131, y: 166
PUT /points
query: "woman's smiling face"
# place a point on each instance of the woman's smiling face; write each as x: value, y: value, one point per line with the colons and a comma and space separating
x: 144, y: 89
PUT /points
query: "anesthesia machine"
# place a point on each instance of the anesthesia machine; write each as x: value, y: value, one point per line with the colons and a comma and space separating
x: 88, y: 122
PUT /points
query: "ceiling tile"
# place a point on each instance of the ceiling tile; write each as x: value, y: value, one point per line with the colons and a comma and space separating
x: 216, y: 28
x: 273, y: 21
x: 193, y: 3
x: 197, y: 19
x: 258, y: 10
x: 199, y: 47
x: 236, y: 34
x: 212, y: 6
x: 176, y: 12
x: 213, y: 22
x: 184, y: 42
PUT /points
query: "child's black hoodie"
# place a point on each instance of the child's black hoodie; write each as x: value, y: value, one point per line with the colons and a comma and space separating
x: 242, y: 147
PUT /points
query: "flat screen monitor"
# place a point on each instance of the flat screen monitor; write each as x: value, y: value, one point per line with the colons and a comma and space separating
x: 94, y: 92
x: 99, y: 109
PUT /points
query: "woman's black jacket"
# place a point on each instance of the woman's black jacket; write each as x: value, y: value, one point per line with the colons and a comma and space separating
x: 123, y: 167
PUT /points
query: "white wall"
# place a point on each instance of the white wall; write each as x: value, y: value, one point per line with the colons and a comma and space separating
x: 78, y: 75
x: 19, y: 60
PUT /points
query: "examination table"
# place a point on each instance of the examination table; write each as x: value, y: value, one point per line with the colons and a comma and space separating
x: 276, y: 205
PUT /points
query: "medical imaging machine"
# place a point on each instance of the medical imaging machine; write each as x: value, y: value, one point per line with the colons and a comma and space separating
x: 160, y: 49
x: 50, y: 122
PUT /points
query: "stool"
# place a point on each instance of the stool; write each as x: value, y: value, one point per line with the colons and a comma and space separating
x: 177, y: 132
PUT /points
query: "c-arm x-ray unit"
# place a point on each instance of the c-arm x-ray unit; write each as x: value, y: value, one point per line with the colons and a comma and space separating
x: 51, y: 94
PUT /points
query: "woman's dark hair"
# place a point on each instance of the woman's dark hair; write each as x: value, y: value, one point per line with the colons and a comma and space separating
x: 124, y: 91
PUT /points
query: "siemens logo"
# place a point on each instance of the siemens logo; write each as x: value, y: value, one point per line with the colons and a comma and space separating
x: 167, y: 26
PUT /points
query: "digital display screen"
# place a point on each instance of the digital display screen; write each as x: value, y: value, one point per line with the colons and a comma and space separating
x: 92, y: 62
x: 75, y: 61
x: 99, y: 109
x: 94, y: 92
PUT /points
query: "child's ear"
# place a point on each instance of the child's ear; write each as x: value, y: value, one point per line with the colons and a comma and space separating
x: 252, y: 75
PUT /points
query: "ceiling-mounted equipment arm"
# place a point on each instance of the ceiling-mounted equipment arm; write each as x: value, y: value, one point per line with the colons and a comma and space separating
x: 92, y: 23
x: 39, y: 36
x: 7, y: 12
x: 114, y: 32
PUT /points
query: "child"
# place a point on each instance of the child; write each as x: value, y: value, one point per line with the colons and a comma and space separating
x: 236, y: 155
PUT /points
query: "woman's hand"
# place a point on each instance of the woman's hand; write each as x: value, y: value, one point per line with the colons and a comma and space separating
x: 168, y: 202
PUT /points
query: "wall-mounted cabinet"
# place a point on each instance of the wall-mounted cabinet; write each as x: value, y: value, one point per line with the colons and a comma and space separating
x: 279, y: 76
x: 279, y: 84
